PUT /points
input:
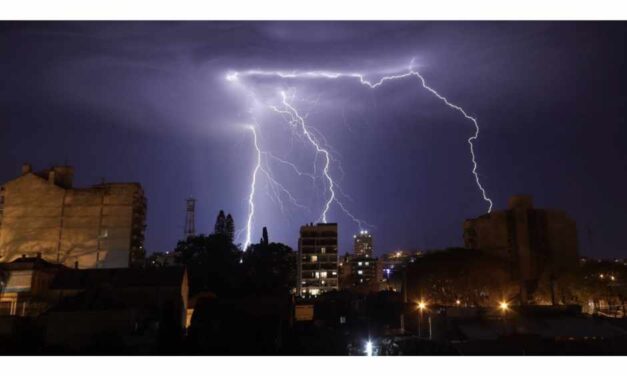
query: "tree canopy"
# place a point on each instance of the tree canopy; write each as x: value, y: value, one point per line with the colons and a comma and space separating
x: 470, y: 276
x: 215, y: 264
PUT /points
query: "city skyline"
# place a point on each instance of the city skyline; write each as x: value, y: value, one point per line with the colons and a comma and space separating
x: 108, y: 100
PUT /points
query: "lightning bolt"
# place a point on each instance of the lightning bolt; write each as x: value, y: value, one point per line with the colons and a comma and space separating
x: 251, y: 196
x: 298, y: 121
x: 411, y: 72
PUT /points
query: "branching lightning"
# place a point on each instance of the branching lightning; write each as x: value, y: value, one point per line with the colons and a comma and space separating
x: 298, y: 122
x: 251, y: 196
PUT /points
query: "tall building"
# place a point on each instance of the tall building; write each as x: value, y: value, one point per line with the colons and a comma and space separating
x: 363, y: 244
x: 97, y: 227
x: 537, y: 242
x: 361, y: 272
x: 317, y: 259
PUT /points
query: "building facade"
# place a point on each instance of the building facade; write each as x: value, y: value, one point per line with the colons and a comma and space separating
x: 360, y: 271
x: 24, y: 286
x: 317, y: 259
x: 537, y: 242
x: 362, y: 244
x: 366, y: 274
x: 97, y: 227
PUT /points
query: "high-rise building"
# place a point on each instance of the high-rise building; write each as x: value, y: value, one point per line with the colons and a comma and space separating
x: 317, y: 259
x: 536, y: 242
x: 362, y: 244
x: 97, y: 227
x: 361, y: 272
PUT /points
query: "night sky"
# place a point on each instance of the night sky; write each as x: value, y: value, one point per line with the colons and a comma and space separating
x: 148, y: 102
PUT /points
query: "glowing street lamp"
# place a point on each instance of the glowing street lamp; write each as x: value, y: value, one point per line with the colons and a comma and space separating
x: 422, y: 305
x: 504, y: 306
x: 458, y: 302
x: 369, y: 348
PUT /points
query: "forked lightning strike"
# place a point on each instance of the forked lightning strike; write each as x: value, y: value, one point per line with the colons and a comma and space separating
x: 297, y: 120
x: 251, y: 196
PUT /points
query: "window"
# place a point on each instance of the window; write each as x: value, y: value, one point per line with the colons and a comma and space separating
x: 323, y: 250
x: 360, y: 272
x: 314, y: 258
x: 323, y: 274
x: 359, y: 263
x: 367, y: 263
x: 334, y: 273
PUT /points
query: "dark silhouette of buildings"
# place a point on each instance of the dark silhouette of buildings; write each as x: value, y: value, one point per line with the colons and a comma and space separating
x: 537, y: 242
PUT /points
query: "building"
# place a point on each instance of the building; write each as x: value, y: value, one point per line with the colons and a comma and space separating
x: 362, y: 244
x: 397, y: 260
x: 41, y: 213
x: 537, y: 242
x: 24, y: 286
x: 127, y: 308
x: 361, y: 272
x: 345, y: 272
x: 366, y: 274
x: 317, y: 259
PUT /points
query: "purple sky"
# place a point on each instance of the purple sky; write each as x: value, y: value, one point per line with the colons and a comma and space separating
x: 148, y: 102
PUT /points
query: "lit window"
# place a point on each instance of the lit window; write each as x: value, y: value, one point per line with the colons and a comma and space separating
x: 334, y: 273
x: 359, y: 263
x: 367, y: 263
x: 314, y: 258
x: 360, y: 272
x: 323, y: 250
x: 317, y: 274
x: 323, y: 274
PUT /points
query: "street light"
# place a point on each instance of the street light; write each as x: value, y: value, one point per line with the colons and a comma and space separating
x: 422, y: 305
x: 504, y: 307
x: 369, y: 348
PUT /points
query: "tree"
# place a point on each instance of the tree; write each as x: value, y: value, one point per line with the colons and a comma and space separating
x: 597, y: 281
x: 213, y: 264
x: 269, y: 267
x: 264, y: 236
x: 229, y: 229
x: 471, y: 276
x: 220, y: 226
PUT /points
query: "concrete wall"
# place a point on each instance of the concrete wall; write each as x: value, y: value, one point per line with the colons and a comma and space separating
x: 91, y: 226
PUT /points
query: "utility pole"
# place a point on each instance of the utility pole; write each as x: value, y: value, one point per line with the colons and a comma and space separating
x: 190, y: 214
